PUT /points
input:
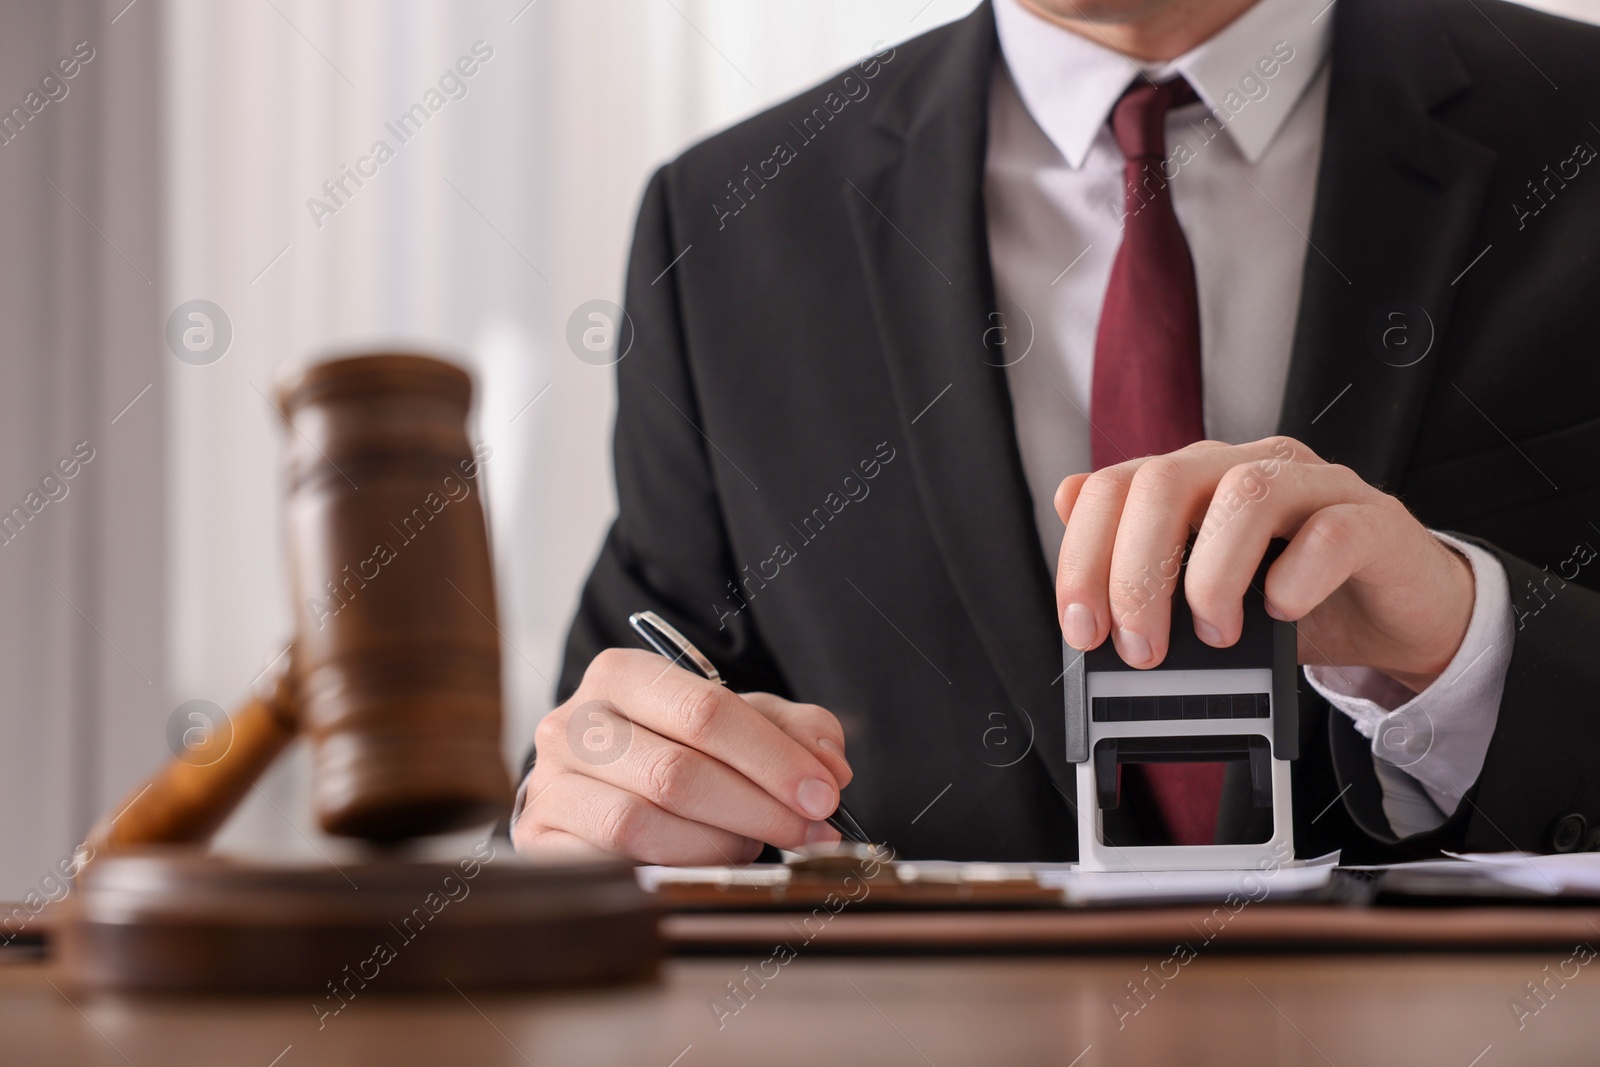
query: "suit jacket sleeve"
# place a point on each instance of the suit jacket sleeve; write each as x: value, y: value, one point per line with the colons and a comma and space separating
x: 1539, y: 789
x: 668, y: 549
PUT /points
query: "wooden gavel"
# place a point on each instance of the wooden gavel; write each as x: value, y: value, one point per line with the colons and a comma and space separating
x: 394, y: 670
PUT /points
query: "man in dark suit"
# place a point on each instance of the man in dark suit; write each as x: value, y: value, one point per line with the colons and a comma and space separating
x: 856, y: 413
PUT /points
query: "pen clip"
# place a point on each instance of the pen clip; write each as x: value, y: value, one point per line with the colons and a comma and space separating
x: 665, y: 639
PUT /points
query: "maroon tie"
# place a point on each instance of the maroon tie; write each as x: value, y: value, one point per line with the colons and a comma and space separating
x: 1146, y: 397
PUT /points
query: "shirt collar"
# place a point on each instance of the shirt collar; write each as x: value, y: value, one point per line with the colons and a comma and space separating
x: 1069, y: 83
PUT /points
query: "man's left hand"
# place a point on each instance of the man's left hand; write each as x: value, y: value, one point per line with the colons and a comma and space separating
x: 1368, y: 584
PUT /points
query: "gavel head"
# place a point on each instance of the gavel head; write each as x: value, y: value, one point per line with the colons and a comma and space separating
x: 397, y: 656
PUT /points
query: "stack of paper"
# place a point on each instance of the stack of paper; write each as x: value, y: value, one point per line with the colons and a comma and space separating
x: 1492, y: 874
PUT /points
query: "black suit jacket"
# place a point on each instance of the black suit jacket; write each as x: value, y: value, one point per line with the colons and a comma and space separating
x: 833, y: 326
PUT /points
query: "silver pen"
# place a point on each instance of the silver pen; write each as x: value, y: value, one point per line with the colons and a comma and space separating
x: 665, y: 639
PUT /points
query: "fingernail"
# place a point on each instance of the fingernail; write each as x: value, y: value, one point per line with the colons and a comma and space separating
x: 820, y: 833
x: 1275, y: 613
x: 1135, y: 648
x: 828, y: 745
x: 1208, y: 633
x: 817, y: 798
x: 1077, y: 625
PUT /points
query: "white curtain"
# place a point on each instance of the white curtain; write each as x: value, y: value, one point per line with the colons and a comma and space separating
x: 82, y: 672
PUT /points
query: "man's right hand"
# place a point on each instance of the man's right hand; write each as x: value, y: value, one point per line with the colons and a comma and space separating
x: 656, y: 764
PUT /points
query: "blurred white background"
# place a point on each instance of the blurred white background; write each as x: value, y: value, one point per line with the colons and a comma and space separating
x: 179, y: 166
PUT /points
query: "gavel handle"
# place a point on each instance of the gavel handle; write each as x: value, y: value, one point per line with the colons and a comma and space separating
x: 185, y: 802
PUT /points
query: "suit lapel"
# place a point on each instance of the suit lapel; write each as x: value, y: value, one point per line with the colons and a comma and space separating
x: 1399, y: 198
x: 918, y: 217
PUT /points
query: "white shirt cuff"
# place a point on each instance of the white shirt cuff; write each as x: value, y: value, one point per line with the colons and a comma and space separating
x: 1437, y: 737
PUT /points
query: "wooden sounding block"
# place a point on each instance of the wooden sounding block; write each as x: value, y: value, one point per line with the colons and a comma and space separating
x: 177, y: 921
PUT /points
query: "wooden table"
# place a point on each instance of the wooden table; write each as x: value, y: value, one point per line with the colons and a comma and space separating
x: 1450, y: 1010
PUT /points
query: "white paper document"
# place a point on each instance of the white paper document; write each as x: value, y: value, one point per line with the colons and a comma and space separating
x: 1576, y: 873
x: 1076, y: 886
x: 1571, y: 874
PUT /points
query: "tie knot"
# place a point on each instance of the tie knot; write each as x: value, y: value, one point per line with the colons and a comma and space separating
x: 1139, y: 120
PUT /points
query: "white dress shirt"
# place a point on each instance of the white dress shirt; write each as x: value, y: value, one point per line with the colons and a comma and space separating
x: 1246, y: 158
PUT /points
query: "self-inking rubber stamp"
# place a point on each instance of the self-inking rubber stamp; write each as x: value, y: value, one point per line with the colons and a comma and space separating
x: 1234, y: 705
